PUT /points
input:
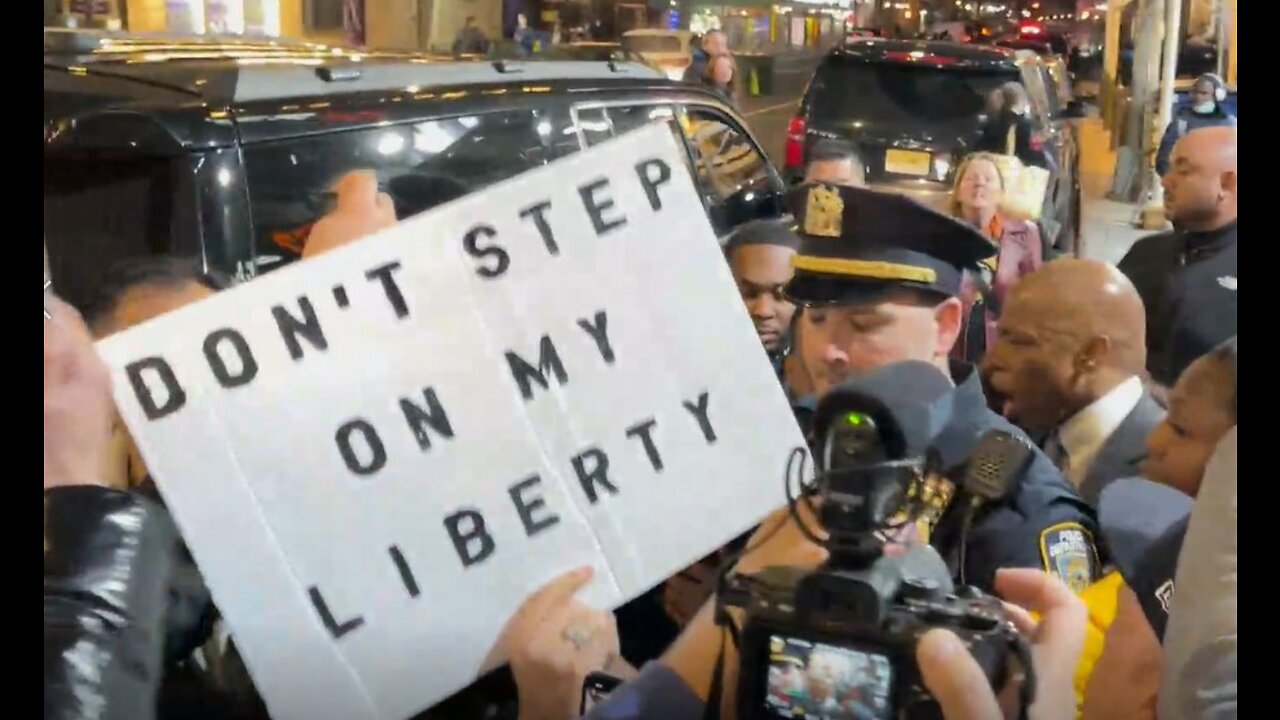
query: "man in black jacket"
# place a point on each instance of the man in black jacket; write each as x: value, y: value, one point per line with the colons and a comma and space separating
x: 107, y: 552
x: 1187, y: 277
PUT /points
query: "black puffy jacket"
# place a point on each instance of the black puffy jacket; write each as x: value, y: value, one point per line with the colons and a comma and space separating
x: 106, y: 574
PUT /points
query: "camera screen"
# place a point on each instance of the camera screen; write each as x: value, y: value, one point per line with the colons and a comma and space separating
x: 812, y: 681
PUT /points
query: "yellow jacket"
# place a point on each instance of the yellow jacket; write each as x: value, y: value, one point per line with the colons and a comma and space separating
x: 1100, y: 598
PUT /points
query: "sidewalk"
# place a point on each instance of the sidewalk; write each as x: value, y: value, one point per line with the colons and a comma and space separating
x: 1108, y: 228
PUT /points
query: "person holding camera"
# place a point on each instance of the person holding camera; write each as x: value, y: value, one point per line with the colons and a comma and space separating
x: 679, y: 684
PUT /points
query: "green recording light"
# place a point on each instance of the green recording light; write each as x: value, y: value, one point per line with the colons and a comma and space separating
x: 855, y: 419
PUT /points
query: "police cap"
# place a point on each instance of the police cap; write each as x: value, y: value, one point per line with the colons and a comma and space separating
x: 856, y: 244
x: 785, y: 659
x: 1143, y: 524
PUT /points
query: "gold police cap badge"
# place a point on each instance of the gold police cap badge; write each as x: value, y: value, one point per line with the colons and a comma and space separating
x: 824, y: 212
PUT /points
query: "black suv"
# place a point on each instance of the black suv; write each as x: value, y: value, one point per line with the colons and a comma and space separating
x: 226, y: 150
x: 913, y: 110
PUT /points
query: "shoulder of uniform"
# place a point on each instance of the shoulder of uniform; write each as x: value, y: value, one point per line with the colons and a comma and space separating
x: 1043, y: 489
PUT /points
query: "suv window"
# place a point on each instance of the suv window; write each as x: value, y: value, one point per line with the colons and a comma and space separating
x: 597, y: 124
x: 420, y: 165
x: 101, y: 207
x: 733, y: 173
x: 891, y: 95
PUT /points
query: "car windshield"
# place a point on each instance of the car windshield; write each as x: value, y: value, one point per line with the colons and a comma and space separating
x: 893, y: 95
x: 652, y: 43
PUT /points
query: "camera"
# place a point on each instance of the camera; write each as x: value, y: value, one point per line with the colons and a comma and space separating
x: 839, y: 642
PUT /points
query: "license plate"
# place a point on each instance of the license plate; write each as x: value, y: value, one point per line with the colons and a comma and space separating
x: 907, y: 162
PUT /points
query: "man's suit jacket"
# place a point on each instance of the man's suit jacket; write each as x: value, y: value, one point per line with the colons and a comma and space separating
x: 1123, y: 451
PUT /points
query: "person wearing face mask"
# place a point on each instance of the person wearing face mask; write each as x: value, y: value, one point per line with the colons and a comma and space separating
x: 976, y: 199
x: 1203, y: 109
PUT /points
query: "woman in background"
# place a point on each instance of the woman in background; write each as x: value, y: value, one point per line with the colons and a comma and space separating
x: 720, y: 76
x: 1017, y: 249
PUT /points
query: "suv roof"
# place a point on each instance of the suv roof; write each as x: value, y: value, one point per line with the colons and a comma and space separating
x: 236, y: 70
x: 930, y: 52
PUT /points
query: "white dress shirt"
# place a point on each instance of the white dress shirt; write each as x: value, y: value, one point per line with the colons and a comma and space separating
x: 1084, y: 434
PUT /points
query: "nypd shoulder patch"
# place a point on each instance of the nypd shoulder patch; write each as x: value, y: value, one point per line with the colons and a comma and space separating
x: 1068, y: 551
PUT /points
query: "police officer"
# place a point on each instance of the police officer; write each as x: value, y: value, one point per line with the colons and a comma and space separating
x: 878, y: 276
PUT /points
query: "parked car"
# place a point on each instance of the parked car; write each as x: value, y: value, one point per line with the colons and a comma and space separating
x: 225, y: 151
x: 669, y: 50
x: 914, y: 109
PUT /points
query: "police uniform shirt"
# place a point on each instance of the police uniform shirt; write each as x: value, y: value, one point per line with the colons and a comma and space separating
x: 1143, y: 524
x: 1042, y: 524
x: 857, y: 245
x: 1153, y: 575
x: 1188, y: 284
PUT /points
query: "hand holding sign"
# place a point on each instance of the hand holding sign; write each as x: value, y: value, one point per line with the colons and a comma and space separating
x: 77, y: 401
x: 553, y: 642
x: 359, y: 211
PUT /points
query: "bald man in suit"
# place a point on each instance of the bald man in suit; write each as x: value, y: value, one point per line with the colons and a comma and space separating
x: 1068, y: 363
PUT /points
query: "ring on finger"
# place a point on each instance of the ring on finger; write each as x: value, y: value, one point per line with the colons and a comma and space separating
x: 576, y: 635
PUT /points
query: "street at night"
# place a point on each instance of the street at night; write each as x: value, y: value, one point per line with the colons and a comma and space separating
x: 639, y: 359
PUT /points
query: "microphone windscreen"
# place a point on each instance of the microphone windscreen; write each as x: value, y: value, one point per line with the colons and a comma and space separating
x: 910, y: 402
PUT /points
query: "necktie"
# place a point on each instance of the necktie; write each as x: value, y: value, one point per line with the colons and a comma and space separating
x: 1056, y: 453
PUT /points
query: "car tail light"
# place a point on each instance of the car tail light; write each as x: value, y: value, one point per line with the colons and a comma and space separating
x: 795, y: 142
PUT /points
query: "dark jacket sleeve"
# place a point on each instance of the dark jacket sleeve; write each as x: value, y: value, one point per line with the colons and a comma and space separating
x: 106, y: 572
x: 1149, y: 265
x: 657, y: 693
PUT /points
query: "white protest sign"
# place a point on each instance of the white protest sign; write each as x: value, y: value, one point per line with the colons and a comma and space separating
x: 375, y: 455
